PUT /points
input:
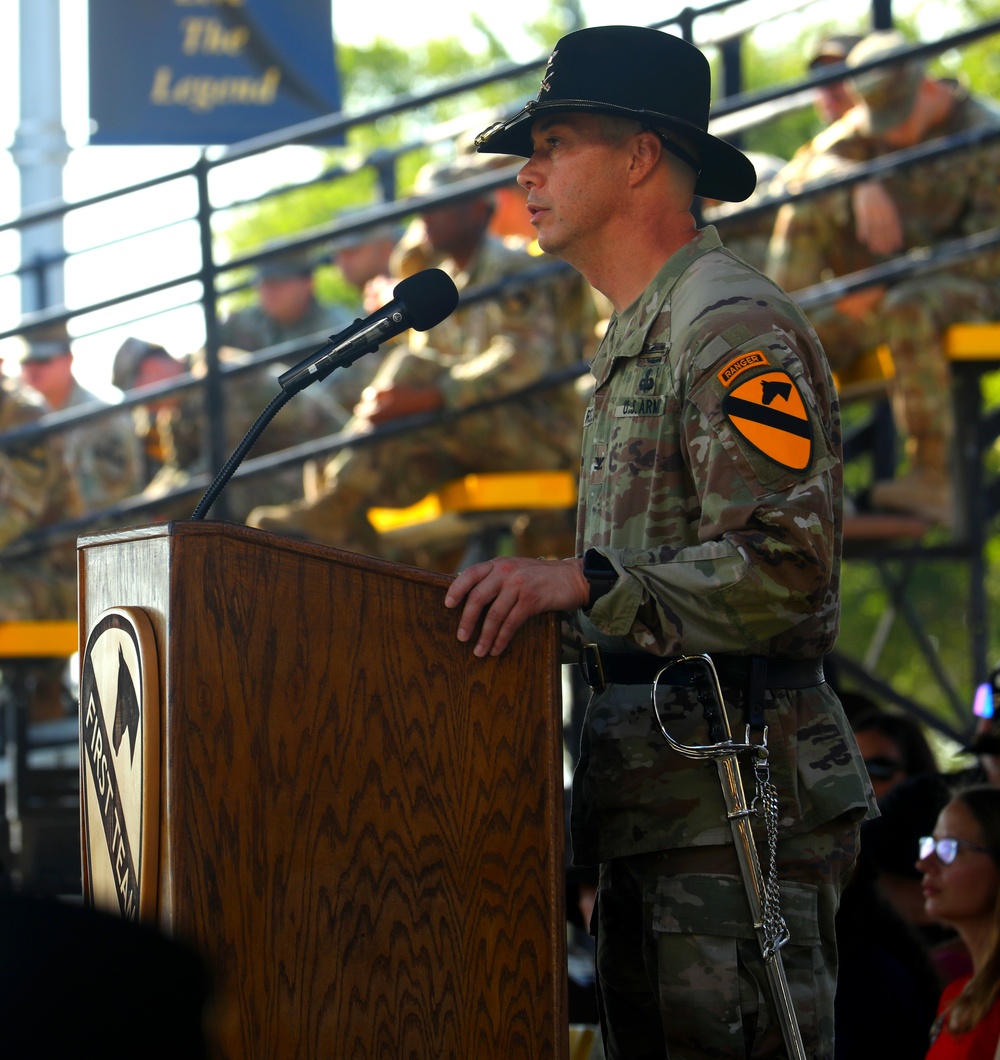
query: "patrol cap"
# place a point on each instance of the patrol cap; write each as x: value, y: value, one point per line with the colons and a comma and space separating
x: 833, y: 49
x: 129, y: 359
x: 285, y: 266
x: 651, y: 77
x: 887, y: 92
x: 45, y: 343
x: 436, y: 175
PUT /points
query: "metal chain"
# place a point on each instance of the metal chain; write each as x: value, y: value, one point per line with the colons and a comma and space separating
x: 766, y: 805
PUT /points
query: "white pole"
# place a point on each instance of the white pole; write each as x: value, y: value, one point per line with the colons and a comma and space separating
x: 40, y: 150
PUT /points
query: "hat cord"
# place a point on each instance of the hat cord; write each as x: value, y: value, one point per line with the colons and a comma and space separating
x: 675, y: 149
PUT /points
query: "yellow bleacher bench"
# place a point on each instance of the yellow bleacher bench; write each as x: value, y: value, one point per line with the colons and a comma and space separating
x: 451, y: 510
x: 38, y: 640
x: 867, y: 376
x: 973, y: 342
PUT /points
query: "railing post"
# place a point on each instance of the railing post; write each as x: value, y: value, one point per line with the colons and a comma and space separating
x: 881, y: 14
x: 685, y: 23
x: 215, y: 410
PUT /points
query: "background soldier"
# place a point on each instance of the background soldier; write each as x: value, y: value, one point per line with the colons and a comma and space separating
x: 37, y: 582
x: 908, y: 209
x: 102, y: 454
x: 483, y: 350
x: 286, y: 309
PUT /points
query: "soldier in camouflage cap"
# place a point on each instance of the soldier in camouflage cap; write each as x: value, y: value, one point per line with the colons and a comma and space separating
x: 709, y: 521
x: 483, y: 350
x: 103, y: 453
x: 287, y: 306
x: 906, y: 210
x: 139, y: 364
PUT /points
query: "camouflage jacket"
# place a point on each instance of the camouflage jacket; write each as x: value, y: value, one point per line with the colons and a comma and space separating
x: 103, y: 453
x: 499, y: 345
x: 953, y: 195
x: 711, y: 481
x: 310, y: 416
x: 36, y: 491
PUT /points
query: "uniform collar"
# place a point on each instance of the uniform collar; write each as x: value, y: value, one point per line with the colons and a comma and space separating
x: 628, y: 330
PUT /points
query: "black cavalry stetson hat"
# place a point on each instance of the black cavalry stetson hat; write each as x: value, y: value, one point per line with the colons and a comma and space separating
x: 653, y: 77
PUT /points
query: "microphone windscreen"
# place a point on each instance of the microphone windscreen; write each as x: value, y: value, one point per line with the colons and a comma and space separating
x: 428, y: 297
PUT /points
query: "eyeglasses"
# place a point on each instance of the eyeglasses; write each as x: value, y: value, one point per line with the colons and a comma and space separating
x: 881, y: 767
x: 946, y: 849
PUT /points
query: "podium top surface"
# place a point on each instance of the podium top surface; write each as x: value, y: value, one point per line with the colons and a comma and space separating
x: 239, y: 532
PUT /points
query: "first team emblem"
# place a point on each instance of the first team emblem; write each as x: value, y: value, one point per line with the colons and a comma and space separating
x: 119, y: 763
x: 768, y: 411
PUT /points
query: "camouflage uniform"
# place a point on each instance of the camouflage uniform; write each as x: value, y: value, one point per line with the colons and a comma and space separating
x: 103, y: 454
x: 481, y: 351
x: 36, y: 490
x: 717, y: 502
x: 310, y: 415
x: 252, y: 329
x: 952, y: 196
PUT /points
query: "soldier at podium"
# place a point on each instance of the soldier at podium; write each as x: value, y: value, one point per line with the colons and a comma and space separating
x: 709, y: 522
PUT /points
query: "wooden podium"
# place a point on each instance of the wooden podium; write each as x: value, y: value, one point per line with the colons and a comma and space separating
x: 354, y: 820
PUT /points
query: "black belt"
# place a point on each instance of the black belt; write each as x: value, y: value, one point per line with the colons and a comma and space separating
x: 602, y: 668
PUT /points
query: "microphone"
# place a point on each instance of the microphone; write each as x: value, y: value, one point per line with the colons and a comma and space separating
x: 420, y: 301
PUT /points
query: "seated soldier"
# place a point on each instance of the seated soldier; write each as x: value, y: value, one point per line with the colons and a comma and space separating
x: 482, y: 351
x: 140, y: 364
x: 37, y: 582
x: 286, y: 308
x: 103, y: 454
x: 181, y: 426
x: 816, y: 239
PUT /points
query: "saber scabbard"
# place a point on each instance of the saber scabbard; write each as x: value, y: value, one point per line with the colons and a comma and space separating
x: 762, y: 895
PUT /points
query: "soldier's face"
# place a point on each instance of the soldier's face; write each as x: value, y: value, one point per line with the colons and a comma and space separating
x: 52, y: 378
x: 573, y: 181
x: 285, y: 299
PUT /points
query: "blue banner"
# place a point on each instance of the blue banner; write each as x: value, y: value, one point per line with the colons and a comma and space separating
x: 208, y: 71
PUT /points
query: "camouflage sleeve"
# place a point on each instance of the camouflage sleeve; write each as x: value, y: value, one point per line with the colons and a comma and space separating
x: 762, y: 483
x: 107, y: 461
x: 813, y: 240
x: 502, y: 345
x: 32, y: 473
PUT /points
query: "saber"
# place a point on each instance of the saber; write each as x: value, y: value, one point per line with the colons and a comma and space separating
x: 762, y: 895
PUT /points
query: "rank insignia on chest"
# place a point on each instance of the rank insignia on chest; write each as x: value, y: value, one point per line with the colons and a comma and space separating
x: 767, y: 410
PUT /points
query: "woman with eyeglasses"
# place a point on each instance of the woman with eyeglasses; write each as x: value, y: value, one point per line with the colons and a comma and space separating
x: 961, y: 886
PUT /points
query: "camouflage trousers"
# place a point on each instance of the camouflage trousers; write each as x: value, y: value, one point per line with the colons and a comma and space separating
x: 911, y: 319
x: 679, y: 968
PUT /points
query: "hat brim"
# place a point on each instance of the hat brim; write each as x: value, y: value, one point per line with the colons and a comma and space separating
x: 726, y: 173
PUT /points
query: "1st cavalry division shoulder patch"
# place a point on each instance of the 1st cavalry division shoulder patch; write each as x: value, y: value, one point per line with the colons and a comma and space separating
x: 768, y: 411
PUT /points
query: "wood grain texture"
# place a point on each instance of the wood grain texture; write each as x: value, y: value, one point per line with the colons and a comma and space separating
x: 362, y: 823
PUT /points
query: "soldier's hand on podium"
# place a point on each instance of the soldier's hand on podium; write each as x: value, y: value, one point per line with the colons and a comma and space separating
x: 507, y: 591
